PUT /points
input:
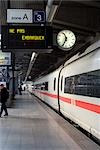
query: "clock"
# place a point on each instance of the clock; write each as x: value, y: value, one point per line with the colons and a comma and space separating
x: 66, y: 39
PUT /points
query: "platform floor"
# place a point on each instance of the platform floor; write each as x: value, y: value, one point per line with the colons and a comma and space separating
x: 31, y: 125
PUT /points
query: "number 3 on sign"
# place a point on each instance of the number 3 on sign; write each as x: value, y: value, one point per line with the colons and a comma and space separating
x: 39, y: 18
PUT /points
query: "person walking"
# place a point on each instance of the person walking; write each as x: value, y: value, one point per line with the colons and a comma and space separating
x: 20, y: 89
x: 4, y: 97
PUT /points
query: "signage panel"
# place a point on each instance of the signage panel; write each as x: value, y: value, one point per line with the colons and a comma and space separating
x: 26, y: 37
x: 3, y: 74
x: 5, y: 59
x: 39, y: 16
x: 19, y: 16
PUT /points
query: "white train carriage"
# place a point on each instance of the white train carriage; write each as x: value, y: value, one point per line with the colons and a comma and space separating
x: 74, y: 89
x: 46, y: 89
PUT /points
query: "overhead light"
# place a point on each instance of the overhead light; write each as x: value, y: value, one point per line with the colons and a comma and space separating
x: 20, y: 73
x: 52, y: 13
x: 33, y: 55
x: 33, y: 58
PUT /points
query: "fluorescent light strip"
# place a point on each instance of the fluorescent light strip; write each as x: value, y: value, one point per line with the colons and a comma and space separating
x: 33, y: 55
x: 52, y: 13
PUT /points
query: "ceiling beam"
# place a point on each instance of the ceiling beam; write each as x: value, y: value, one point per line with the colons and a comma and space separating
x: 94, y: 3
x: 78, y: 28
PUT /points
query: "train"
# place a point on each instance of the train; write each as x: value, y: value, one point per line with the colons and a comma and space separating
x: 74, y: 89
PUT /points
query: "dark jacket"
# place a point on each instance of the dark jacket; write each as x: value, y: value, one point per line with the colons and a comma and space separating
x: 3, y: 95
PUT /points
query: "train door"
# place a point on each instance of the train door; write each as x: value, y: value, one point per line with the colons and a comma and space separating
x: 60, y: 94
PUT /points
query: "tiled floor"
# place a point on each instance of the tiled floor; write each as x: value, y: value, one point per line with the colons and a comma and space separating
x: 31, y: 125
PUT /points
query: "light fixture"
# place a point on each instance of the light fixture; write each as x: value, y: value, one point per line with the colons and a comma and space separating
x: 33, y: 55
x: 52, y: 13
x: 33, y: 58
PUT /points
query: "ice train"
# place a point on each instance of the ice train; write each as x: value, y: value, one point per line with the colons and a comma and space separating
x: 74, y: 89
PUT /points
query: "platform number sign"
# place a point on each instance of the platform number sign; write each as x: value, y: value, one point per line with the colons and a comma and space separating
x: 39, y: 16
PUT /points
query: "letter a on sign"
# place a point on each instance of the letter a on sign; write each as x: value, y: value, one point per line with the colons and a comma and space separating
x: 25, y: 17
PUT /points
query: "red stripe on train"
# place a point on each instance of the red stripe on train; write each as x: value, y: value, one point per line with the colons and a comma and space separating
x: 55, y: 96
x: 50, y: 95
x: 88, y: 106
x: 64, y: 99
x: 84, y: 105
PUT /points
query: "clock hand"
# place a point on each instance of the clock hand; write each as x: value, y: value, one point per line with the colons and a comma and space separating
x: 65, y: 39
x: 64, y: 42
x: 65, y: 36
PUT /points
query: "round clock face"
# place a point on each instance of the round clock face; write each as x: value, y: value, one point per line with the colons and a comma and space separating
x: 66, y: 39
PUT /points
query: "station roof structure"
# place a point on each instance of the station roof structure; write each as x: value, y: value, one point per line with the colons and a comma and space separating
x: 82, y: 17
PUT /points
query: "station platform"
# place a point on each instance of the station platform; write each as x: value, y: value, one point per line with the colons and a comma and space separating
x: 32, y: 125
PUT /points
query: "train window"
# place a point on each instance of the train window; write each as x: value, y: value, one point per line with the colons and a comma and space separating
x: 54, y: 84
x: 43, y: 86
x: 46, y: 86
x: 87, y: 84
x: 61, y: 82
x: 67, y: 88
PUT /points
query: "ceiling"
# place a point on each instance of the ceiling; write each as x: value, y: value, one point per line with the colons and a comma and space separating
x: 82, y: 17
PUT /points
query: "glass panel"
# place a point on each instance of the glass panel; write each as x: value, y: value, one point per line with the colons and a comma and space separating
x: 61, y: 82
x: 54, y: 84
x: 87, y: 84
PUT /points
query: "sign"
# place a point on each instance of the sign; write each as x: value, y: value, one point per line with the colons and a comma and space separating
x: 3, y: 74
x: 19, y: 16
x: 4, y: 83
x: 26, y: 37
x: 39, y: 16
x: 5, y: 59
